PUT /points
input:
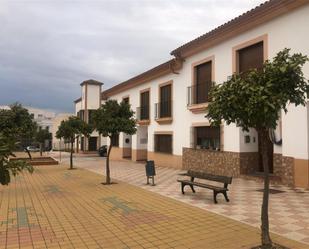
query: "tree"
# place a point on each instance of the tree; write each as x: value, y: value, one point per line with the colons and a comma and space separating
x: 41, y: 136
x: 17, y: 124
x: 7, y: 166
x: 111, y: 119
x: 255, y: 100
x: 70, y: 130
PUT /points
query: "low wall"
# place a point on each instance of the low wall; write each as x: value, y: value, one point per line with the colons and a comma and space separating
x: 236, y: 164
x: 213, y: 162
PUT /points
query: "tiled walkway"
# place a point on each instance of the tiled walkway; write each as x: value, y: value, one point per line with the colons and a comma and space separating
x: 59, y: 208
x: 289, y: 210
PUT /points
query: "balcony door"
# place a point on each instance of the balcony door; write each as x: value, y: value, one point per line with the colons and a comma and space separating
x: 144, y: 112
x: 165, y: 101
x: 203, y: 82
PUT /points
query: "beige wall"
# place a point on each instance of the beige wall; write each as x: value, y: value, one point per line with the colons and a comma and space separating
x: 126, y: 152
x: 165, y: 160
x: 139, y: 155
x: 301, y: 173
x: 116, y: 154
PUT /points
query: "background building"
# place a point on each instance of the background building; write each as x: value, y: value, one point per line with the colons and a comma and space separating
x: 58, y: 144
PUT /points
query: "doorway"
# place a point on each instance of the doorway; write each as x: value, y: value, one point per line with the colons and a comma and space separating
x: 92, y: 146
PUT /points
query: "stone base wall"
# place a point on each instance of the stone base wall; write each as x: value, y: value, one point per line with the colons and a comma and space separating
x: 236, y: 164
x: 249, y: 162
x: 286, y: 170
x: 212, y: 162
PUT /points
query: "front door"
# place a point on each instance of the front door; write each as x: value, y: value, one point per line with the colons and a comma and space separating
x: 92, y: 146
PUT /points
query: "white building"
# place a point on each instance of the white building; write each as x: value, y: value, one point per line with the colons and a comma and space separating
x: 44, y: 118
x: 50, y: 120
x: 170, y: 100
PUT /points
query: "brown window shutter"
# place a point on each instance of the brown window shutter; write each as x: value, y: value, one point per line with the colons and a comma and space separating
x: 250, y: 57
x: 203, y: 82
x: 163, y: 143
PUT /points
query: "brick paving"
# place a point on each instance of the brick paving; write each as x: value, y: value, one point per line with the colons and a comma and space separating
x: 289, y: 215
x: 59, y: 208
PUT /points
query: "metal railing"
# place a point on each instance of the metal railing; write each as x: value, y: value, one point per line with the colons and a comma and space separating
x: 142, y: 113
x: 198, y: 93
x: 163, y: 109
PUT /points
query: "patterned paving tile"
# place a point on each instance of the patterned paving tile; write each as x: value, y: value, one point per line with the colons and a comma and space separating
x: 46, y: 210
x: 289, y: 214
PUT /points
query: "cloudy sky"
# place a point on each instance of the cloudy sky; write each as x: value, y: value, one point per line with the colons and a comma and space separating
x: 47, y: 47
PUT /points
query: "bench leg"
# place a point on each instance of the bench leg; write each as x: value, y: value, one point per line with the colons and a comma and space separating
x: 191, y: 186
x: 215, y: 197
x: 225, y: 195
x: 183, y: 188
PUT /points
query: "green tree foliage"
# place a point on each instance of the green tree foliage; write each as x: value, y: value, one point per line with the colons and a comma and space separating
x: 71, y: 129
x: 16, y: 125
x: 41, y: 136
x: 111, y: 119
x: 10, y: 167
x: 255, y: 100
x: 17, y: 122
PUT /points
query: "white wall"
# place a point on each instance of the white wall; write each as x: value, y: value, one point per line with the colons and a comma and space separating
x: 295, y: 132
x: 93, y: 97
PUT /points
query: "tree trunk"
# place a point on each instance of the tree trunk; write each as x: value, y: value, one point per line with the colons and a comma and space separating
x: 108, y: 178
x: 71, y: 156
x: 266, y: 240
x: 41, y: 149
x: 28, y: 152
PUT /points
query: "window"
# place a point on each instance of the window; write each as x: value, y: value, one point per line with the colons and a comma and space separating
x: 163, y: 143
x: 165, y: 105
x: 250, y: 57
x: 207, y: 137
x: 126, y: 100
x: 80, y: 114
x: 144, y: 111
x: 115, y: 140
x: 202, y: 82
x: 90, y: 116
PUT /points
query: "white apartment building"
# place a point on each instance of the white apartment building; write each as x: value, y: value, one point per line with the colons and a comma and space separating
x: 170, y: 100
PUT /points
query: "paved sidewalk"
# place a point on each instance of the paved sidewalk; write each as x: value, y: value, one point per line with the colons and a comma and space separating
x: 59, y: 208
x: 289, y: 215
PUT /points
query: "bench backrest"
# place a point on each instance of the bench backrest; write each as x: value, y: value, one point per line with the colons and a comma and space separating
x: 206, y: 176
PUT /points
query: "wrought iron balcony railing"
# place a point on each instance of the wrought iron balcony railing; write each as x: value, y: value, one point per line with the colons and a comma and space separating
x: 199, y: 93
x: 163, y: 109
x: 142, y: 113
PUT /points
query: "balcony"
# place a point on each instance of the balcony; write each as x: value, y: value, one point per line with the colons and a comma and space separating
x: 163, y: 112
x: 198, y: 97
x: 142, y: 115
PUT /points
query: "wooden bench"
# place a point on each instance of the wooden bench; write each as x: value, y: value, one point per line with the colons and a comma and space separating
x: 204, y: 176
